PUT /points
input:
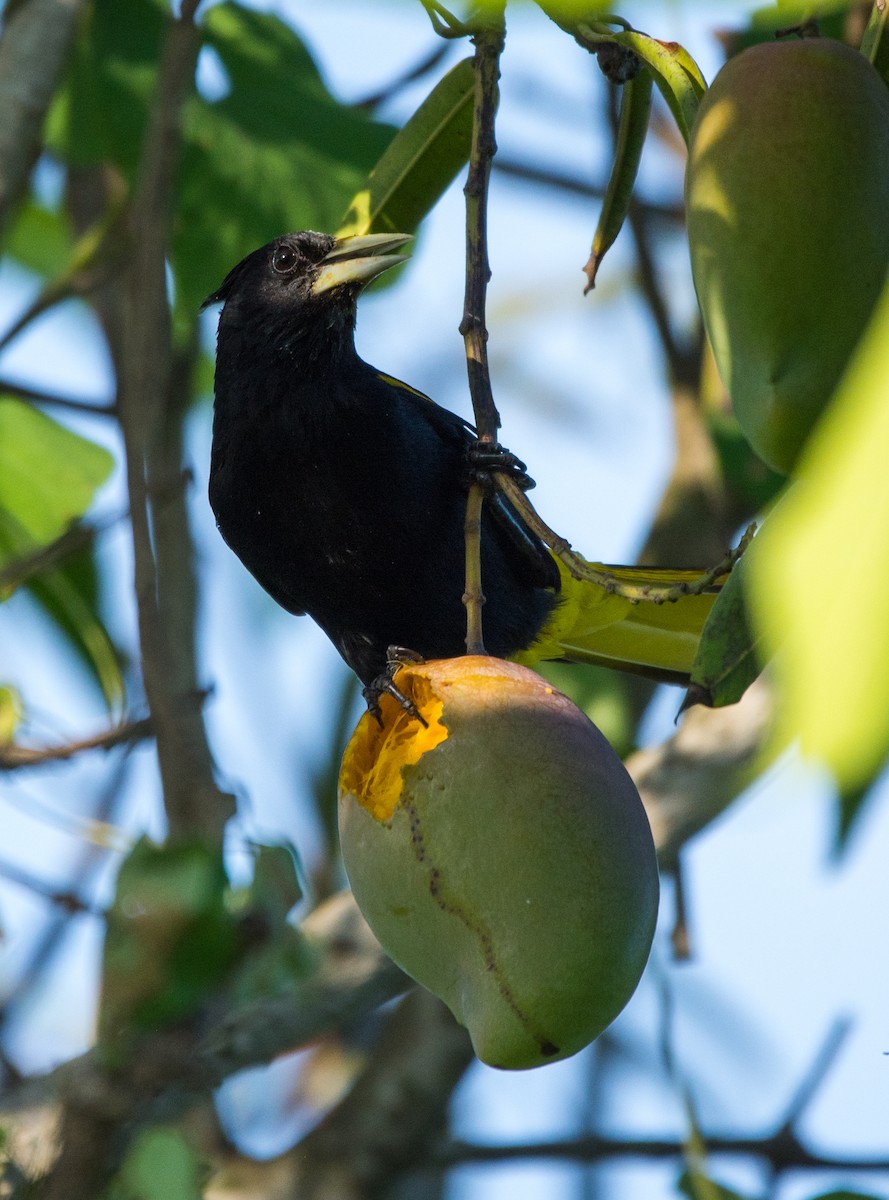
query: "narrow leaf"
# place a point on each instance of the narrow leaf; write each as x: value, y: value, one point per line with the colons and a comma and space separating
x: 675, y: 72
x: 730, y: 651
x: 875, y: 42
x: 635, y: 110
x: 421, y: 161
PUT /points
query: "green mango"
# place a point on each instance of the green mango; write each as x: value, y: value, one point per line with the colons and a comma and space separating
x: 501, y: 855
x: 787, y: 194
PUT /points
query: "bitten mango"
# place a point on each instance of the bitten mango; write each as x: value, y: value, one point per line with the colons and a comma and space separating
x: 787, y: 195
x: 501, y: 855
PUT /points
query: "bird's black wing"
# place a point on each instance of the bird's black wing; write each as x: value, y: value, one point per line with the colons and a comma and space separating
x: 533, y: 563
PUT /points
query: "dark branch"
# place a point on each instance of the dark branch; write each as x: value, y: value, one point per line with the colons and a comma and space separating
x: 673, y: 214
x: 14, y: 758
x: 782, y: 1153
x: 64, y: 899
x: 426, y: 64
x: 36, y: 396
x: 153, y: 393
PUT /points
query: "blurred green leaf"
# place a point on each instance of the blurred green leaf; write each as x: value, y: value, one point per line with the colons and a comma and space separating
x: 62, y: 594
x: 875, y: 42
x: 170, y: 939
x: 48, y: 478
x: 275, y: 888
x: 160, y: 1165
x: 728, y: 656
x: 802, y: 10
x: 277, y: 153
x: 845, y: 1194
x: 11, y: 713
x: 820, y: 576
x: 101, y: 113
x: 696, y: 1185
x: 40, y: 238
x: 421, y: 161
x: 747, y: 477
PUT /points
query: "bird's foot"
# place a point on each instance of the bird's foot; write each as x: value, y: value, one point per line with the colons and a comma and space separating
x: 487, y: 458
x: 396, y: 656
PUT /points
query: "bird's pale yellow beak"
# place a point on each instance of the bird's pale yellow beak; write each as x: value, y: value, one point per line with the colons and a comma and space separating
x: 359, y: 259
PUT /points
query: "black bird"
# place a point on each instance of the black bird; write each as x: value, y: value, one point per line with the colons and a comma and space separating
x: 343, y: 490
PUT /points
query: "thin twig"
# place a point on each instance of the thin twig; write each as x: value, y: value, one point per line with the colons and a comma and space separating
x: 488, y: 40
x: 808, y: 1087
x: 777, y: 1151
x: 37, y: 396
x: 391, y: 89
x: 14, y: 757
x: 445, y: 24
x: 655, y: 593
x: 473, y: 596
x: 64, y: 899
x: 674, y: 214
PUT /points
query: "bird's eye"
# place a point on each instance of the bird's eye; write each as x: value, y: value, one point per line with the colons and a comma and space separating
x: 284, y: 260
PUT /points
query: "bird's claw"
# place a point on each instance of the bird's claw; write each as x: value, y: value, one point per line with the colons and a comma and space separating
x: 396, y: 656
x: 487, y: 458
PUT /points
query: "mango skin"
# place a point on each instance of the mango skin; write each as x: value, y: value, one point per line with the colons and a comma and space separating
x: 787, y: 195
x: 516, y: 877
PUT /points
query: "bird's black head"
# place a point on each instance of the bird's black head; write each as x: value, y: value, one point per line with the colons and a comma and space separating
x: 302, y: 283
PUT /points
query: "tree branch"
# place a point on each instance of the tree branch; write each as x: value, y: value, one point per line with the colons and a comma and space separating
x: 36, y: 396
x: 37, y: 36
x: 14, y: 757
x: 488, y: 39
x: 154, y: 387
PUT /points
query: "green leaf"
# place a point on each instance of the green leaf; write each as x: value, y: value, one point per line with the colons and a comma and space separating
x: 697, y: 1185
x: 169, y: 942
x: 61, y: 594
x: 40, y: 238
x: 48, y: 478
x: 749, y: 481
x: 635, y: 110
x: 729, y: 652
x: 676, y: 74
x: 875, y: 42
x: 275, y: 888
x: 820, y: 576
x: 278, y: 153
x: 11, y: 713
x: 160, y: 1165
x: 101, y: 114
x: 845, y: 1194
x: 421, y: 161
